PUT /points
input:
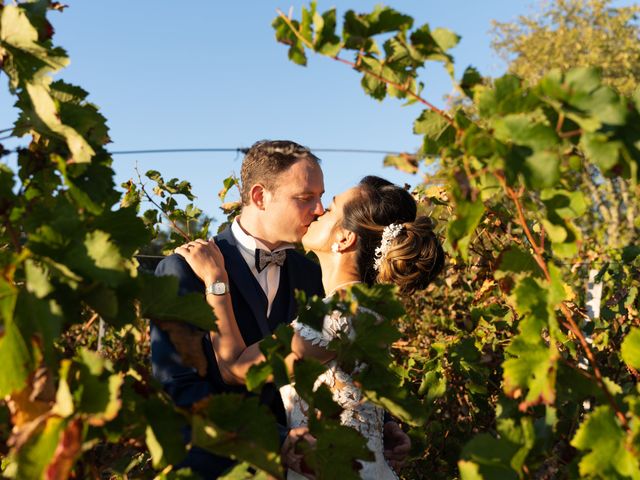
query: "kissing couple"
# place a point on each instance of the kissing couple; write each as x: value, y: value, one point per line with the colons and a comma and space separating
x: 368, y: 234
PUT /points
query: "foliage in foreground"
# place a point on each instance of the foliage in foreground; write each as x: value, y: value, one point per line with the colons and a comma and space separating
x: 500, y: 383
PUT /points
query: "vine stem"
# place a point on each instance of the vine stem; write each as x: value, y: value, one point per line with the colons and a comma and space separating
x: 15, y: 239
x: 357, y: 67
x: 174, y: 225
x: 570, y: 323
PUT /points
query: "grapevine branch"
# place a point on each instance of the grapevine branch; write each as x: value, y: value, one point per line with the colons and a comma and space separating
x: 569, y: 322
x: 174, y: 225
x: 356, y: 66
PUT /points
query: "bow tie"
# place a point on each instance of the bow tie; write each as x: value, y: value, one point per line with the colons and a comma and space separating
x: 264, y: 258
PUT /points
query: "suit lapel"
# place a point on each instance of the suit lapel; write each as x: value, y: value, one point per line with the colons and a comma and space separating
x: 240, y: 273
x: 296, y: 280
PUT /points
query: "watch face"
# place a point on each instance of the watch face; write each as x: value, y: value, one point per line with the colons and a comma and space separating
x: 217, y: 288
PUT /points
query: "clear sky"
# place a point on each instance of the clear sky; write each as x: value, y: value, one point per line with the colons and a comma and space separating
x: 209, y: 74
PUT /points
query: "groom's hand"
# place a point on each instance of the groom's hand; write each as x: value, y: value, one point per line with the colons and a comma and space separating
x: 397, y: 445
x: 292, y: 453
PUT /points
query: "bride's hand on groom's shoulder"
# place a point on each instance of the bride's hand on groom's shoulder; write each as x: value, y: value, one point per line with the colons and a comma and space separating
x: 205, y: 259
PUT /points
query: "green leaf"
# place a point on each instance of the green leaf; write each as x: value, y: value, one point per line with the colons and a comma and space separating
x: 434, y: 384
x: 99, y: 258
x: 470, y: 78
x: 326, y: 41
x: 37, y: 279
x: 504, y: 97
x: 564, y: 203
x: 100, y: 392
x: 45, y: 109
x: 41, y: 318
x: 605, y: 445
x: 241, y: 428
x: 438, y: 131
x: 26, y: 56
x: 285, y: 35
x: 445, y: 39
x: 539, y: 169
x: 531, y: 367
x: 243, y: 471
x: 404, y: 162
x: 165, y: 445
x: 460, y: 231
x: 306, y: 371
x: 337, y: 449
x: 630, y: 349
x: 372, y: 86
x: 15, y: 355
x: 485, y: 457
x: 528, y: 129
x: 601, y: 150
x: 159, y: 300
x: 515, y: 260
x: 258, y: 375
x: 34, y: 457
x: 126, y: 229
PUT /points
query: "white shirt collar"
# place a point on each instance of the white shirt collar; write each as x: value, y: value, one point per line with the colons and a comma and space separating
x: 250, y: 243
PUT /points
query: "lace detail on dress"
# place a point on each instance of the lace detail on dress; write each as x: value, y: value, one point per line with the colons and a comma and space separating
x: 357, y: 412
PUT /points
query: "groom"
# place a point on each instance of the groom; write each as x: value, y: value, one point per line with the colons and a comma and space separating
x: 281, y: 188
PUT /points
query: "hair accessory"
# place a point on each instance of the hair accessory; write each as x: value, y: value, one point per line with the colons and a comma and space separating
x: 389, y: 233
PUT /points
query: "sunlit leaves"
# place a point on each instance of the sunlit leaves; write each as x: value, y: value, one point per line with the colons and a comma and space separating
x: 159, y: 300
x: 24, y: 56
x: 605, y: 444
x: 404, y: 161
x: 164, y: 442
x: 462, y: 227
x: 631, y: 348
x: 438, y: 131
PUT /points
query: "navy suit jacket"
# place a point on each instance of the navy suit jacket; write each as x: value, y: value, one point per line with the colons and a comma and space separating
x: 183, y: 383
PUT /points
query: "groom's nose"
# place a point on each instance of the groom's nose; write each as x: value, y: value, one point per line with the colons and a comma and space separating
x: 318, y: 209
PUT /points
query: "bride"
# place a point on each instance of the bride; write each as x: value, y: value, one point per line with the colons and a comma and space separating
x: 368, y: 234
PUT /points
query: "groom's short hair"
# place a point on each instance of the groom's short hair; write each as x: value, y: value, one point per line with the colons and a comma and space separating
x: 266, y: 160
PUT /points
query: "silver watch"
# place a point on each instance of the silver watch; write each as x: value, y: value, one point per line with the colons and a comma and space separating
x: 217, y: 288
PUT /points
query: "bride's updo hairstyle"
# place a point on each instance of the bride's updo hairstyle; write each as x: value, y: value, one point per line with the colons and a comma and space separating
x: 413, y: 258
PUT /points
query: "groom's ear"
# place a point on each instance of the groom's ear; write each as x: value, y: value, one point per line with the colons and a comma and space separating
x: 257, y: 195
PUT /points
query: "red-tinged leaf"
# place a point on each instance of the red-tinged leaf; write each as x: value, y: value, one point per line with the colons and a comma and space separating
x: 68, y: 449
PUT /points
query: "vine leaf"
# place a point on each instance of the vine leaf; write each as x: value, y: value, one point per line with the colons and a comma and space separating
x: 28, y: 57
x: 35, y: 456
x: 16, y: 357
x: 46, y: 111
x: 631, y: 348
x: 159, y: 300
x: 240, y: 427
x: 460, y: 230
x: 165, y: 445
x: 609, y: 455
x: 486, y: 457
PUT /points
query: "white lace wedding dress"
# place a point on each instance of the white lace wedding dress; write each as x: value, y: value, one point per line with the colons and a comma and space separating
x: 358, y: 413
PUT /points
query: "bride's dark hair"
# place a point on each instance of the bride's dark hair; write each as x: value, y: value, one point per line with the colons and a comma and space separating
x: 414, y: 257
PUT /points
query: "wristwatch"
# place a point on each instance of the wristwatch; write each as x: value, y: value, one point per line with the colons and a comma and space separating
x: 217, y: 288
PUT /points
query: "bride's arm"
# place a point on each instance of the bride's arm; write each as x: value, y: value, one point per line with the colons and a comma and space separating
x: 232, y: 354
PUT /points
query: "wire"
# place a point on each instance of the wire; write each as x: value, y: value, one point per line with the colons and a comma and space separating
x: 245, y: 150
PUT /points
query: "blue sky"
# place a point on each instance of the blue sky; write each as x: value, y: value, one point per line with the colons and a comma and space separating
x: 209, y: 74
